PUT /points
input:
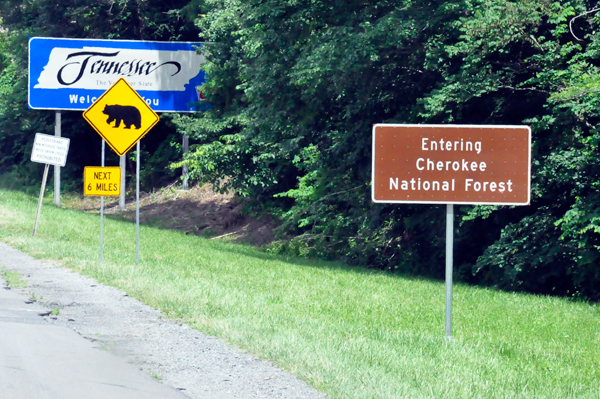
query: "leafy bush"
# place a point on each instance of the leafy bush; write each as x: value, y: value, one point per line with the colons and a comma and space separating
x: 296, y: 87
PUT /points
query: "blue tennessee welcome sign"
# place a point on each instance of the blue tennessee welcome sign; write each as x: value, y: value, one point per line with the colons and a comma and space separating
x: 70, y: 74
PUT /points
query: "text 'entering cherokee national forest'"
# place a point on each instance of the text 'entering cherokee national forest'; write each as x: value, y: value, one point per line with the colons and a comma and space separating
x: 451, y: 164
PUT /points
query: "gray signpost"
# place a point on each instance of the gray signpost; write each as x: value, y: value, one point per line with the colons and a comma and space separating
x: 57, y: 133
x: 122, y: 196
x: 102, y: 206
x: 449, y: 267
x: 185, y: 170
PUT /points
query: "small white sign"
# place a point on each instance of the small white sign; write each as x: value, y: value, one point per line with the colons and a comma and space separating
x: 50, y: 150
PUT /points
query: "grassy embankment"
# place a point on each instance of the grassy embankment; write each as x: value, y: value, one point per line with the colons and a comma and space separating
x: 347, y: 331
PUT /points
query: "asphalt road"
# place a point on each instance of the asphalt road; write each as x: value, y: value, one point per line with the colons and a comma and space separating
x: 40, y: 360
x: 105, y: 344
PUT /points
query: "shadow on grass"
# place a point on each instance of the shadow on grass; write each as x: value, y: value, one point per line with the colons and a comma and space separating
x: 209, y: 218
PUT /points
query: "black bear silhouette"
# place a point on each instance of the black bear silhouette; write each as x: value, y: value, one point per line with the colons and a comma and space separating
x: 130, y: 115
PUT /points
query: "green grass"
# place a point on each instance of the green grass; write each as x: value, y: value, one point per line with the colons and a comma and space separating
x: 13, y: 279
x: 350, y: 332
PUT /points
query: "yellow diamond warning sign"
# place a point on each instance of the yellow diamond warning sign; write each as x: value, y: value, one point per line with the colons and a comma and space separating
x: 102, y: 181
x: 121, y: 116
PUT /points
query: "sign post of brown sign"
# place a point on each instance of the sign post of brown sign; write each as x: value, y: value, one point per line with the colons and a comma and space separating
x: 451, y: 164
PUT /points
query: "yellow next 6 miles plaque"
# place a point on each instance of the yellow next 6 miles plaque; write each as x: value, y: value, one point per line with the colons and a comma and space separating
x: 102, y: 181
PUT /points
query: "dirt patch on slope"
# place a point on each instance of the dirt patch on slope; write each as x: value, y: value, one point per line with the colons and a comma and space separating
x: 199, y: 211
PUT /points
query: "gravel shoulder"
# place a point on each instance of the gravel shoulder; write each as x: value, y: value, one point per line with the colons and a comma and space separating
x: 198, y: 365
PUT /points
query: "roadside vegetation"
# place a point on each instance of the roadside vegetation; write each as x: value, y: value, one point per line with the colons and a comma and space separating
x: 13, y: 279
x: 348, y: 331
x: 295, y: 88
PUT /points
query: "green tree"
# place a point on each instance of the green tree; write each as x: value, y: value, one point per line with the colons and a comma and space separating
x: 297, y: 85
x: 533, y: 62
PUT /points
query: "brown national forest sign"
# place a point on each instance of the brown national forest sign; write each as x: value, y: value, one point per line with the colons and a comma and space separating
x: 452, y: 164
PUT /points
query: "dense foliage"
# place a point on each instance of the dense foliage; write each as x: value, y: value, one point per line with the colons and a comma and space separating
x: 296, y: 86
x: 534, y: 62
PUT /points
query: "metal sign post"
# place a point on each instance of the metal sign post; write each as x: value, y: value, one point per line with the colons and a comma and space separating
x: 186, y: 169
x: 57, y: 133
x: 449, y: 266
x: 122, y: 196
x: 451, y: 164
x: 102, y: 208
x: 137, y: 203
x: 101, y: 181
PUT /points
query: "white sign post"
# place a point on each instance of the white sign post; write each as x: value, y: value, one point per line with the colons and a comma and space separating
x: 49, y: 150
